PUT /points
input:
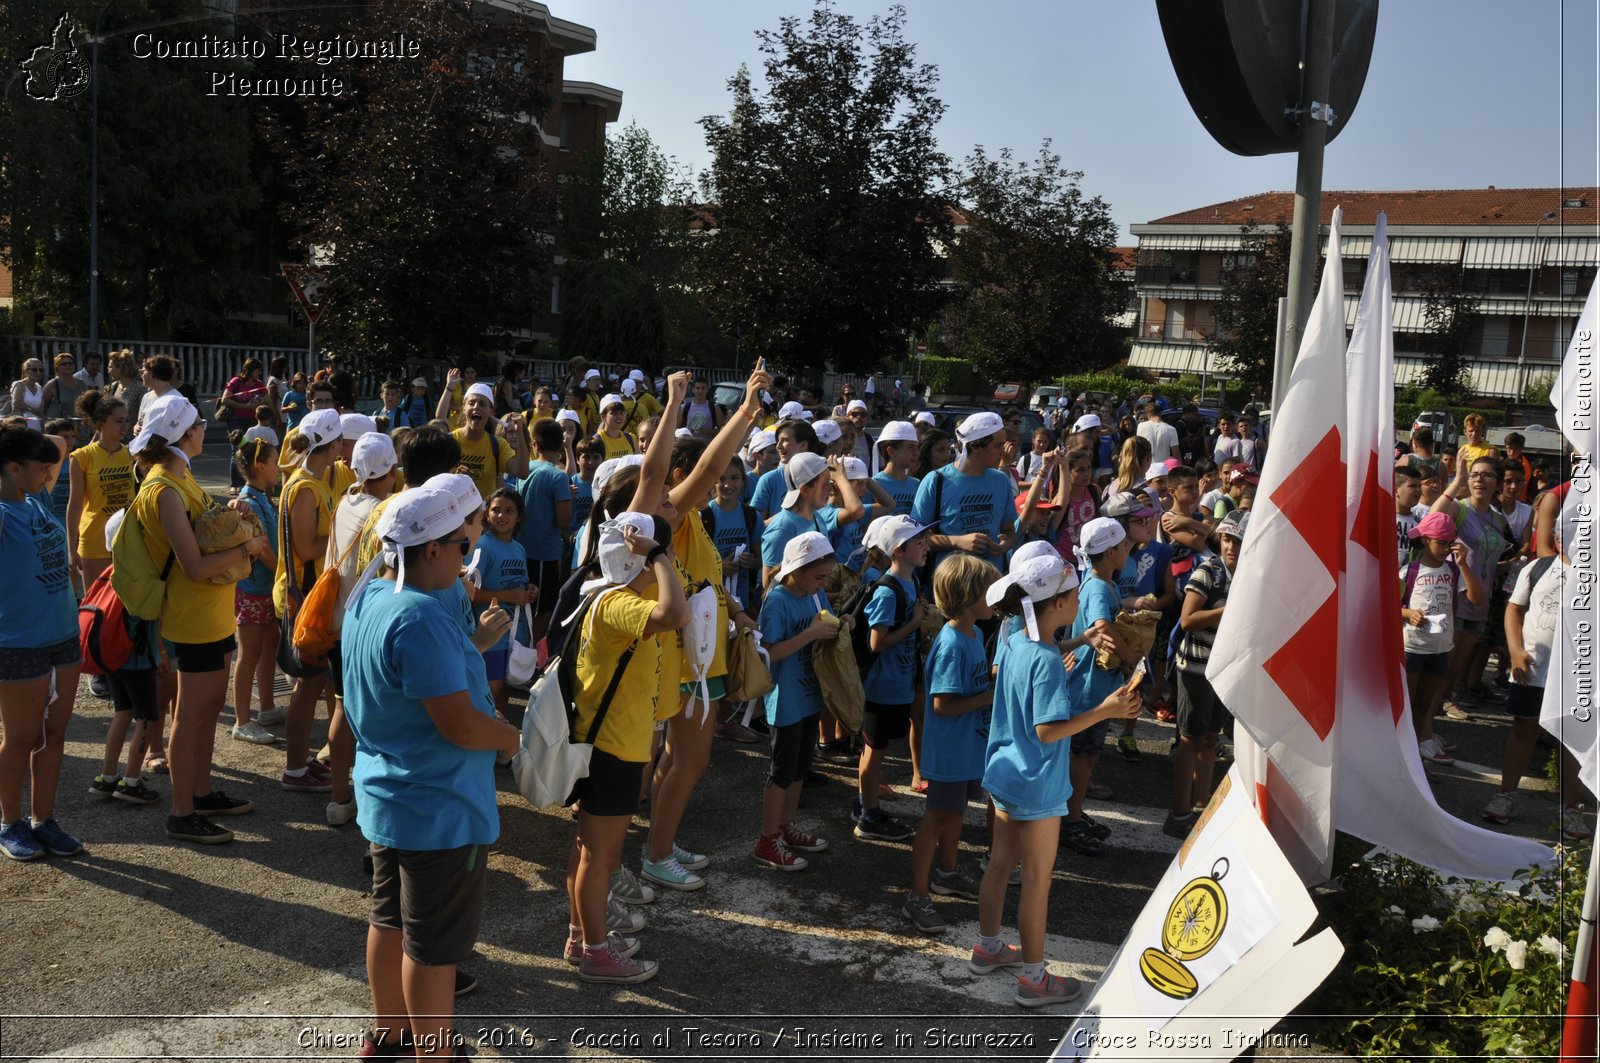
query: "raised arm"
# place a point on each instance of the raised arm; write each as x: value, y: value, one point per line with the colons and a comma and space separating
x: 721, y: 450
x: 658, y: 456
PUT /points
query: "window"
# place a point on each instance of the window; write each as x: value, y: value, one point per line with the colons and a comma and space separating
x: 1569, y: 282
x: 1561, y: 340
x: 1175, y: 321
x: 1496, y: 337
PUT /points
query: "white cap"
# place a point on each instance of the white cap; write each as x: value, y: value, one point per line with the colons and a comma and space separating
x: 979, y: 426
x: 565, y: 414
x: 854, y: 405
x: 1041, y: 578
x: 1100, y: 535
x: 619, y: 565
x: 636, y: 374
x: 1025, y: 552
x: 483, y: 391
x: 630, y: 387
x: 802, y: 550
x: 855, y: 469
x: 419, y: 515
x: 793, y: 411
x: 610, y: 400
x: 112, y: 525
x: 318, y: 428
x: 463, y: 489
x: 683, y: 433
x: 373, y: 457
x: 611, y: 466
x: 1156, y: 471
x: 900, y: 432
x: 356, y: 425
x: 593, y: 374
x: 760, y: 440
x: 800, y: 470
x: 419, y: 382
x: 828, y: 432
x: 1086, y: 422
x: 891, y: 532
x: 169, y: 417
x: 924, y: 417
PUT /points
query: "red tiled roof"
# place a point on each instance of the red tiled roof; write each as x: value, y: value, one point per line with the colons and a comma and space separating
x: 1463, y: 206
x: 1124, y: 257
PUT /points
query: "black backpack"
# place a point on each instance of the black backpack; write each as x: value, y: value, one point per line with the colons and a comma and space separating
x: 568, y: 600
x: 860, y: 631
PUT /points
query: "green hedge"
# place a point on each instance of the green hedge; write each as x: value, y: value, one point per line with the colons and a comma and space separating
x: 1117, y: 381
x: 1405, y: 414
x: 952, y: 376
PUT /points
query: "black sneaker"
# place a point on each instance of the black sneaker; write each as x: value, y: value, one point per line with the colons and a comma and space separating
x: 1178, y: 826
x: 101, y: 786
x: 136, y: 794
x: 100, y: 687
x: 1098, y: 829
x: 466, y: 982
x: 878, y: 825
x: 1077, y: 836
x: 197, y: 828
x: 840, y: 751
x: 758, y: 724
x: 217, y: 803
x: 1128, y: 746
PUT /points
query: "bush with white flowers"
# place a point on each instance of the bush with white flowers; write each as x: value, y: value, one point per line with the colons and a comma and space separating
x: 1497, y: 956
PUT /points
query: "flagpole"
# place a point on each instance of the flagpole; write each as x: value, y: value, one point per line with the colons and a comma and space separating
x: 1578, y: 1034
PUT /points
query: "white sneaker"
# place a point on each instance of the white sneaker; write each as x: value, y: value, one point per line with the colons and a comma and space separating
x: 253, y: 732
x: 1433, y: 753
x: 622, y: 919
x: 1502, y: 807
x: 1573, y: 826
x: 627, y: 888
x: 341, y: 812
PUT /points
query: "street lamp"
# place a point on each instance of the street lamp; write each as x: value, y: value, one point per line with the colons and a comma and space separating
x: 1527, y: 307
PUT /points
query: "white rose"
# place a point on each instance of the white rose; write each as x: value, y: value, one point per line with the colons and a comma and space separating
x: 1394, y: 909
x: 1517, y: 955
x: 1424, y: 924
x: 1496, y: 939
x: 1551, y: 947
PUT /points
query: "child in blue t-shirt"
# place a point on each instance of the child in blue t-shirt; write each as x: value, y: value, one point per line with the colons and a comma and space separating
x: 1106, y: 545
x: 588, y: 455
x: 897, y: 454
x: 895, y: 614
x: 791, y: 624
x: 735, y: 530
x: 1027, y: 772
x: 807, y: 479
x: 847, y: 539
x: 1145, y: 582
x: 955, y: 735
x: 501, y: 576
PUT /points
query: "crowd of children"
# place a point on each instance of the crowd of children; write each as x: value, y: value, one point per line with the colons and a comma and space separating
x: 1005, y: 607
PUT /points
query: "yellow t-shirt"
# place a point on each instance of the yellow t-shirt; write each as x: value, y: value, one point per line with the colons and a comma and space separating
x: 618, y: 447
x: 1467, y: 453
x: 480, y: 461
x: 190, y: 612
x: 284, y: 453
x: 698, y: 561
x: 641, y: 410
x: 109, y: 487
x: 458, y: 402
x: 340, y: 477
x: 590, y: 412
x: 369, y: 547
x: 301, y: 481
x: 617, y: 620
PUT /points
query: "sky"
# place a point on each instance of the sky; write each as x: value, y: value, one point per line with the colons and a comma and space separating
x: 1460, y: 93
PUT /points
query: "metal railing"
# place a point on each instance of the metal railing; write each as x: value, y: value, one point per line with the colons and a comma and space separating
x: 208, y: 366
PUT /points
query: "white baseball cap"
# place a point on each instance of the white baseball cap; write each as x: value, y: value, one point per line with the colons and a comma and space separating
x: 419, y: 515
x: 170, y: 417
x: 611, y: 466
x: 1024, y: 553
x: 854, y: 405
x: 793, y: 411
x: 1041, y: 578
x: 802, y: 550
x: 356, y: 425
x: 619, y: 565
x: 609, y: 401
x: 1156, y: 472
x: 372, y: 457
x: 855, y: 469
x: 924, y: 417
x: 800, y: 470
x: 980, y: 425
x: 760, y: 440
x: 1086, y: 422
x: 900, y: 432
x: 682, y: 433
x: 1100, y: 535
x: 828, y: 432
x: 419, y: 382
x: 483, y: 391
x: 890, y: 533
x: 318, y: 428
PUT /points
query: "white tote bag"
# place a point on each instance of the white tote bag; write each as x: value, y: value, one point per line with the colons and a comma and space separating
x: 523, y: 661
x: 700, y: 637
x: 549, y: 763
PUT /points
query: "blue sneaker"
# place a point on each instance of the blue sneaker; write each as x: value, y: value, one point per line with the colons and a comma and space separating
x: 19, y: 842
x: 56, y: 840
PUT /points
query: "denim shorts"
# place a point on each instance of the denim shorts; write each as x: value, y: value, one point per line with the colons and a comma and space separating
x: 19, y: 664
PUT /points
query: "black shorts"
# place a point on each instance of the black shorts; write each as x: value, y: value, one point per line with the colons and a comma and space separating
x: 1437, y: 664
x: 336, y: 671
x: 1200, y: 711
x: 1524, y: 703
x: 203, y: 656
x: 135, y: 692
x: 792, y: 750
x: 1091, y: 741
x: 433, y: 897
x: 36, y: 662
x: 883, y: 724
x: 953, y: 797
x: 610, y: 789
x: 548, y: 577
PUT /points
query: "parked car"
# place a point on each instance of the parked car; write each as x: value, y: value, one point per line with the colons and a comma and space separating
x: 1443, y: 423
x: 1044, y: 397
x: 1010, y: 393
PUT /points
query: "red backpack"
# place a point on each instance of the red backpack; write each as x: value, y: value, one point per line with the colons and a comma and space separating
x: 103, y: 633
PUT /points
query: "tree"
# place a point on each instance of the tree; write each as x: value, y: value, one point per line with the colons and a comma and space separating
x: 176, y: 188
x: 425, y: 183
x: 1452, y: 321
x: 828, y: 193
x: 1247, y: 314
x: 1033, y: 268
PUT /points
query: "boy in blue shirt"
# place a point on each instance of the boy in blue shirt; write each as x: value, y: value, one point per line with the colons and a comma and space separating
x: 895, y: 614
x: 588, y: 456
x: 546, y: 516
x: 1144, y: 583
x: 762, y: 451
x: 896, y: 453
x: 790, y: 438
x: 805, y: 507
x: 847, y: 540
x: 971, y: 500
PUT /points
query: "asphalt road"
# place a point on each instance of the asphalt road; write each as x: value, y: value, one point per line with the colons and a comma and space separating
x: 145, y: 949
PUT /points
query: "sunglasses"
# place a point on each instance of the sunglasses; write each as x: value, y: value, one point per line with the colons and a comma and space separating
x: 462, y: 542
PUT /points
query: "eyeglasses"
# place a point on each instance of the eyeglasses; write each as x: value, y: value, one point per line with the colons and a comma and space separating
x: 462, y: 542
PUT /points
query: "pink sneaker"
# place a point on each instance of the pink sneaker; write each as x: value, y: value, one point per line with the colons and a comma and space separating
x: 983, y: 962
x: 626, y: 946
x: 798, y: 840
x: 1051, y: 989
x: 610, y: 966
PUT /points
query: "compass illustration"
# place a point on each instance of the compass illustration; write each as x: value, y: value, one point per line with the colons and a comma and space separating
x: 1192, y: 928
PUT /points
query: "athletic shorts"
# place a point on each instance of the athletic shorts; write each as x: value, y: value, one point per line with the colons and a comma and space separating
x: 1091, y: 741
x: 35, y: 662
x: 611, y: 788
x: 336, y: 671
x: 1437, y: 664
x: 1200, y: 711
x: 546, y: 575
x: 494, y: 663
x: 1524, y: 703
x: 202, y: 656
x: 253, y: 608
x: 716, y: 686
x: 433, y: 897
x: 792, y: 750
x: 953, y: 796
x: 884, y: 724
x: 135, y: 692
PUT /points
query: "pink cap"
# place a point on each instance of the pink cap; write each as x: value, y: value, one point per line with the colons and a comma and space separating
x: 1441, y: 526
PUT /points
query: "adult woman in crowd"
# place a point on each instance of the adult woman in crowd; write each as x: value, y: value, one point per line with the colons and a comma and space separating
x: 122, y: 373
x: 159, y: 375
x: 38, y: 646
x: 27, y: 394
x: 102, y: 483
x: 61, y: 393
x: 197, y: 620
x: 237, y: 404
x: 278, y: 379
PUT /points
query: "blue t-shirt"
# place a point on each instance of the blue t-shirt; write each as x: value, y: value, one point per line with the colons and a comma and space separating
x: 953, y: 747
x: 544, y: 486
x: 967, y: 504
x: 416, y: 790
x: 893, y: 671
x: 1031, y: 779
x: 457, y: 603
x: 768, y: 497
x: 1091, y: 684
x: 729, y: 529
x: 795, y: 693
x: 582, y: 502
x: 37, y: 606
x: 1145, y: 572
x: 297, y: 399
x: 904, y: 492
x: 787, y: 524
x: 748, y: 493
x: 259, y: 582
x: 847, y: 537
x: 502, y: 565
x: 413, y: 412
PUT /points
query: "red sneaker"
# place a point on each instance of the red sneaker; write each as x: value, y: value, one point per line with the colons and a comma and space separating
x: 798, y: 840
x: 772, y: 852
